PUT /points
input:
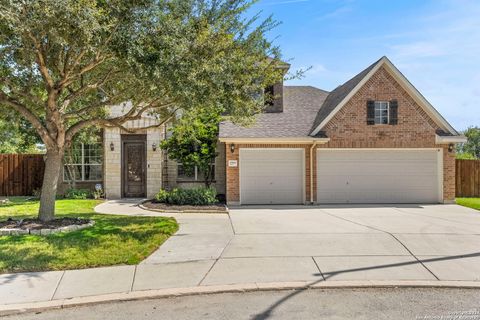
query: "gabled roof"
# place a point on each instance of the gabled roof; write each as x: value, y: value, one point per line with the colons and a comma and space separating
x: 300, y: 106
x: 342, y: 94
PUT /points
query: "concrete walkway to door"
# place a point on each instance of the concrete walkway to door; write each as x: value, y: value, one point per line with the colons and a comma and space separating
x: 256, y: 247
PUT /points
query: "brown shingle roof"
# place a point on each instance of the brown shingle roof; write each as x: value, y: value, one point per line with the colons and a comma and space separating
x: 300, y: 106
x: 337, y: 95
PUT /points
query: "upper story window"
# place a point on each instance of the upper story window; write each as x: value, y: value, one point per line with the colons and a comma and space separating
x: 382, y: 112
x: 382, y: 109
x: 84, y: 163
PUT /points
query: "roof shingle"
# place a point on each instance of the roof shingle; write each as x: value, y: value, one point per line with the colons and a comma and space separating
x: 300, y: 106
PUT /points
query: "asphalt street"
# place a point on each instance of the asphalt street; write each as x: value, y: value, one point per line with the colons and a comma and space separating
x: 393, y: 303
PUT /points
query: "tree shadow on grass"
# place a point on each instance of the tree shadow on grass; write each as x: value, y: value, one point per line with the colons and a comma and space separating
x: 122, y: 239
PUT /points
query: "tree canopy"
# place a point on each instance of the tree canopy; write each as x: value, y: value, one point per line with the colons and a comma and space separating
x: 471, y: 148
x: 63, y: 62
x: 193, y: 141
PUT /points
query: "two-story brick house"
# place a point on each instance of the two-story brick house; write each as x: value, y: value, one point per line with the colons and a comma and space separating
x: 374, y: 139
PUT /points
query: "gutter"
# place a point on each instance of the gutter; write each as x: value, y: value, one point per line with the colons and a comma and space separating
x: 450, y: 139
x: 290, y: 140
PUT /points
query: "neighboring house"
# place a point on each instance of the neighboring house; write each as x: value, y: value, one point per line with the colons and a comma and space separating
x: 374, y: 139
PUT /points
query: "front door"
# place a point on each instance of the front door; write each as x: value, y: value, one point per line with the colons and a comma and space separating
x: 134, y: 169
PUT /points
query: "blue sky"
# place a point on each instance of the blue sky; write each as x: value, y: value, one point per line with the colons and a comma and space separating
x: 435, y: 44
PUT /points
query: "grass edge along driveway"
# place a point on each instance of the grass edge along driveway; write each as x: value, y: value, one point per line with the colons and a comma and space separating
x: 113, y: 240
x: 473, y: 203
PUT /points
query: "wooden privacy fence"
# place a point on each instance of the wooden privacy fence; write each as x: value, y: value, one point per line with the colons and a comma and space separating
x: 20, y: 174
x: 467, y: 178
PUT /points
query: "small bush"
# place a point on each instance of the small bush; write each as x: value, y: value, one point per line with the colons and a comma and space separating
x: 161, y: 196
x: 78, y: 194
x: 194, y: 197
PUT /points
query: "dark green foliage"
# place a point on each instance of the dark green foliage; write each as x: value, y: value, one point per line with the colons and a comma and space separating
x: 471, y: 148
x: 194, y: 197
x: 194, y: 141
x: 78, y: 194
x: 63, y: 61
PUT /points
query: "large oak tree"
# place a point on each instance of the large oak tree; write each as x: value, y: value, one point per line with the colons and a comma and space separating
x: 63, y: 62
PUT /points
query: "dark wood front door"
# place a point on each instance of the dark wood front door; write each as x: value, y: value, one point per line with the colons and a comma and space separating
x: 133, y: 169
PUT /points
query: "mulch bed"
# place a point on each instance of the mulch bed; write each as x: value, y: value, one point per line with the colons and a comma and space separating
x: 220, y: 208
x: 36, y: 224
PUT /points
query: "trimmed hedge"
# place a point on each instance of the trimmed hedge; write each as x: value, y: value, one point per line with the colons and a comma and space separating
x: 194, y: 197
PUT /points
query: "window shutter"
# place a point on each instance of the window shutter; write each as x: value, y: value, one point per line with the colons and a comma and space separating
x: 393, y: 112
x: 370, y: 112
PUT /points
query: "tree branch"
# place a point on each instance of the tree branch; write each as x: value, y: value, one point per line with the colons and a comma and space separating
x: 30, y: 116
x: 42, y: 64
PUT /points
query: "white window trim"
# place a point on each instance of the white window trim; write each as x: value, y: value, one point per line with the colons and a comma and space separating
x: 381, y: 117
x: 82, y: 165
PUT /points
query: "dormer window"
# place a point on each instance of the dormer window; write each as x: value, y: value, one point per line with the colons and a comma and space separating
x: 382, y: 109
x: 382, y: 112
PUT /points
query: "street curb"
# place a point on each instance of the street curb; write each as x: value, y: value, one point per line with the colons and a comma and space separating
x: 12, y: 309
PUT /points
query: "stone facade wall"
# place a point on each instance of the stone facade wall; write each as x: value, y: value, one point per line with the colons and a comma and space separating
x: 112, y: 172
x: 154, y: 162
x: 113, y: 162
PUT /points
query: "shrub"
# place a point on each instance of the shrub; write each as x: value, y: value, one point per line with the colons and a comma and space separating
x: 161, y: 196
x: 195, y: 197
x: 78, y: 194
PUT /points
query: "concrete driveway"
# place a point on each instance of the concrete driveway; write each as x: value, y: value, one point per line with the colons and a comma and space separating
x: 304, y: 243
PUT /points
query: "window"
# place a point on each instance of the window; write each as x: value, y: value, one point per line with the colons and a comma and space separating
x: 84, y: 163
x: 381, y: 112
x: 195, y: 175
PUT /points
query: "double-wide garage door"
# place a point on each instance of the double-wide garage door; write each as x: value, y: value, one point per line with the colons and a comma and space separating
x: 272, y: 176
x: 378, y: 176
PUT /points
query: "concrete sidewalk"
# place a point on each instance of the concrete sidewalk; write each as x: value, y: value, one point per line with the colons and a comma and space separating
x: 258, y: 248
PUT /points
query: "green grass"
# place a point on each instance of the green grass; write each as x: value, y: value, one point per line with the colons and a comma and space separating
x: 114, y: 239
x: 469, y: 202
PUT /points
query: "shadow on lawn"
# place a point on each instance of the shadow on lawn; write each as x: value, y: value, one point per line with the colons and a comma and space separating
x: 325, y: 276
x: 38, y: 253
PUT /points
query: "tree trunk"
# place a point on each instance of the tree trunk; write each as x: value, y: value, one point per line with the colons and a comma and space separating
x: 53, y: 164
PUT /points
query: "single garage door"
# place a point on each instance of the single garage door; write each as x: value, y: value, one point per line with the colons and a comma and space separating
x: 378, y: 176
x: 271, y: 176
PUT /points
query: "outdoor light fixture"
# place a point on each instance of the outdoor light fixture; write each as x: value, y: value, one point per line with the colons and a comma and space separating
x: 112, y: 146
x: 154, y: 146
x: 450, y: 147
x: 232, y: 148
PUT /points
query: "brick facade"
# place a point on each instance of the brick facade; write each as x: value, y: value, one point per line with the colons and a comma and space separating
x: 349, y: 129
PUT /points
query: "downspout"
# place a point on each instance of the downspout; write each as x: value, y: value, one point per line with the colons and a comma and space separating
x: 311, y: 170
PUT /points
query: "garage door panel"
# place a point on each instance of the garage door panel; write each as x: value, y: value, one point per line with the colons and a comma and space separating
x: 271, y: 176
x: 377, y: 176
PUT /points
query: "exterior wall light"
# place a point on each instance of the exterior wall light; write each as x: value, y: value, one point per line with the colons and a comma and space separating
x: 112, y: 146
x: 232, y: 148
x: 154, y: 146
x: 450, y: 147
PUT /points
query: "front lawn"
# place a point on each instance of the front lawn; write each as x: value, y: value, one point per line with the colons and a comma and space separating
x: 469, y: 202
x: 112, y: 240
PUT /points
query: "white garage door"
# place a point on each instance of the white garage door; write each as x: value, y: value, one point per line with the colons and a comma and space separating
x: 378, y: 176
x: 271, y: 176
